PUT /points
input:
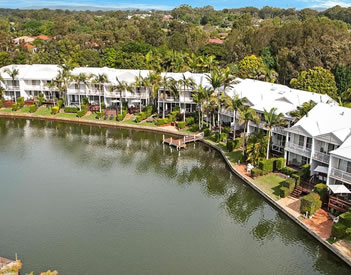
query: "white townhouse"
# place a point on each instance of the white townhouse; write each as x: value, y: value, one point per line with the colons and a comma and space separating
x: 184, y: 100
x: 322, y: 138
x: 108, y: 93
x: 30, y: 81
x: 265, y: 96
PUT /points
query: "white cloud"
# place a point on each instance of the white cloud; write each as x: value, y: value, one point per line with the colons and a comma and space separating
x: 329, y: 4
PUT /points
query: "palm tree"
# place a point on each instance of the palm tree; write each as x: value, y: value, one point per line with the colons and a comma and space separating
x: 152, y: 82
x: 137, y: 84
x: 121, y: 86
x: 63, y: 79
x: 186, y: 83
x: 80, y: 78
x: 200, y: 96
x: 272, y: 120
x: 51, y: 85
x: 246, y: 115
x: 235, y: 104
x: 13, y: 73
x: 100, y: 80
x: 302, y: 110
x: 256, y: 147
x: 167, y: 84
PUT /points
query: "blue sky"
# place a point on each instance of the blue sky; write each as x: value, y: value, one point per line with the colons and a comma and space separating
x: 169, y: 4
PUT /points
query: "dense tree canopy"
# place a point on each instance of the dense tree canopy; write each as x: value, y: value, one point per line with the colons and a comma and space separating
x: 269, y: 44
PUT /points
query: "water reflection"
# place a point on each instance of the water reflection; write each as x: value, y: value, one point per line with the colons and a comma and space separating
x: 108, y: 148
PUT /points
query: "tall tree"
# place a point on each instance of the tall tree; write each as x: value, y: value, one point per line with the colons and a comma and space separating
x: 302, y: 110
x: 100, y: 80
x: 186, y: 83
x: 235, y: 104
x: 13, y: 73
x: 247, y: 114
x: 272, y: 119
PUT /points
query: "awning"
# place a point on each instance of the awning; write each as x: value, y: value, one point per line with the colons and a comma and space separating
x: 339, y: 189
x: 135, y: 100
x: 115, y: 101
x: 321, y: 169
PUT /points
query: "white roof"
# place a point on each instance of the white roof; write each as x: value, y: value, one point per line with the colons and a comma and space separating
x: 264, y: 95
x: 339, y: 189
x: 326, y: 118
x: 344, y: 150
x: 321, y: 169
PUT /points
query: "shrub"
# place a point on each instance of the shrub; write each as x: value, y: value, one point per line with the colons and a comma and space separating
x: 230, y: 145
x: 289, y: 183
x: 14, y: 107
x: 102, y: 104
x: 345, y: 219
x: 33, y: 108
x: 120, y: 117
x: 81, y: 113
x: 238, y: 143
x: 189, y: 120
x: 181, y: 124
x: 207, y: 132
x: 54, y: 110
x: 284, y: 192
x: 41, y: 99
x: 161, y: 121
x: 20, y: 102
x: 194, y: 128
x: 256, y: 172
x: 227, y: 130
x: 71, y: 109
x: 338, y: 230
x: 296, y: 177
x: 287, y: 171
x: 266, y: 165
x: 305, y: 171
x: 60, y: 103
x: 278, y: 164
x: 310, y: 203
x: 99, y: 115
x: 322, y: 190
x: 1, y: 103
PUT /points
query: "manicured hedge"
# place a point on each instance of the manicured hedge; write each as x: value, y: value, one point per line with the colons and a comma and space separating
x: 296, y: 178
x: 256, y: 172
x: 99, y: 115
x: 161, y: 121
x: 266, y: 165
x: 144, y: 114
x: 305, y: 171
x: 310, y: 203
x: 60, y: 103
x: 195, y: 128
x: 71, y: 109
x: 322, y: 190
x: 345, y: 219
x: 287, y: 171
x: 338, y: 230
x: 15, y: 107
x: 289, y: 183
x: 284, y: 192
x: 278, y: 164
x: 120, y: 116
x: 54, y: 110
x: 33, y: 108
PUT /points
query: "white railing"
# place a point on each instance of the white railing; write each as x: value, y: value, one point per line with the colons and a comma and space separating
x: 295, y: 148
x: 279, y: 130
x: 12, y: 87
x: 340, y: 175
x: 322, y: 157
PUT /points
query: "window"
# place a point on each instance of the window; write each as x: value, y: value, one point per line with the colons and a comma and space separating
x: 309, y: 143
x: 331, y: 147
x: 35, y: 82
x: 348, y: 167
x: 304, y: 160
x: 301, y: 140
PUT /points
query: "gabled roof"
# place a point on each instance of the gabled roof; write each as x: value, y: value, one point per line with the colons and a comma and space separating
x: 344, y: 151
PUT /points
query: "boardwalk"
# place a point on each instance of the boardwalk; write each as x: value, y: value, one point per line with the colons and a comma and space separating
x: 181, y: 142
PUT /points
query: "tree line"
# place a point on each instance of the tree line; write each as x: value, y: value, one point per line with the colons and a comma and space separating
x: 278, y: 45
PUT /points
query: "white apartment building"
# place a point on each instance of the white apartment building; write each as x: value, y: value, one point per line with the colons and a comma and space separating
x: 265, y: 96
x: 323, y: 139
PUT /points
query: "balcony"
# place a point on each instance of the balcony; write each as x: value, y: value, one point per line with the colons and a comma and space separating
x: 340, y: 175
x: 279, y: 130
x: 297, y: 149
x: 12, y: 87
x: 322, y: 157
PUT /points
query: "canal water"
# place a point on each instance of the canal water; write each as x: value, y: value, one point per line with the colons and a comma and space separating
x: 91, y: 200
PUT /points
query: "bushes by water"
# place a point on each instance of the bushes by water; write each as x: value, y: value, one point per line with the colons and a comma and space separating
x: 15, y: 107
x: 310, y: 203
x: 33, y: 108
x: 54, y: 110
x: 71, y: 109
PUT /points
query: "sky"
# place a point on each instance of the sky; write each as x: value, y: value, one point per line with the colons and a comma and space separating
x: 170, y: 4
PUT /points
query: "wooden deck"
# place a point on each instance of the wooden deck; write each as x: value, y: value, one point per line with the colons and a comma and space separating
x: 181, y: 143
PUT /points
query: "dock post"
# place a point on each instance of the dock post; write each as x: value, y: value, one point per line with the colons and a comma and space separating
x: 163, y: 139
x: 170, y: 142
x: 184, y: 139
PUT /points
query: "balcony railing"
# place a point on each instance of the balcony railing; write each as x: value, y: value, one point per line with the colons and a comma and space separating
x: 340, y: 175
x: 322, y: 157
x: 295, y: 148
x: 279, y: 130
x: 12, y: 87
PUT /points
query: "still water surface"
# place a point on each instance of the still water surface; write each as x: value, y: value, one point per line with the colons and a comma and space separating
x: 90, y: 200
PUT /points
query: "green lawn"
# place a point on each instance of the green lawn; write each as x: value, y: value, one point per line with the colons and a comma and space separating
x: 67, y: 115
x: 270, y: 184
x: 25, y: 109
x: 43, y: 111
x: 92, y: 116
x: 6, y: 110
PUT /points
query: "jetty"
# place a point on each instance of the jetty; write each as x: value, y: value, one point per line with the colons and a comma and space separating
x: 180, y: 143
